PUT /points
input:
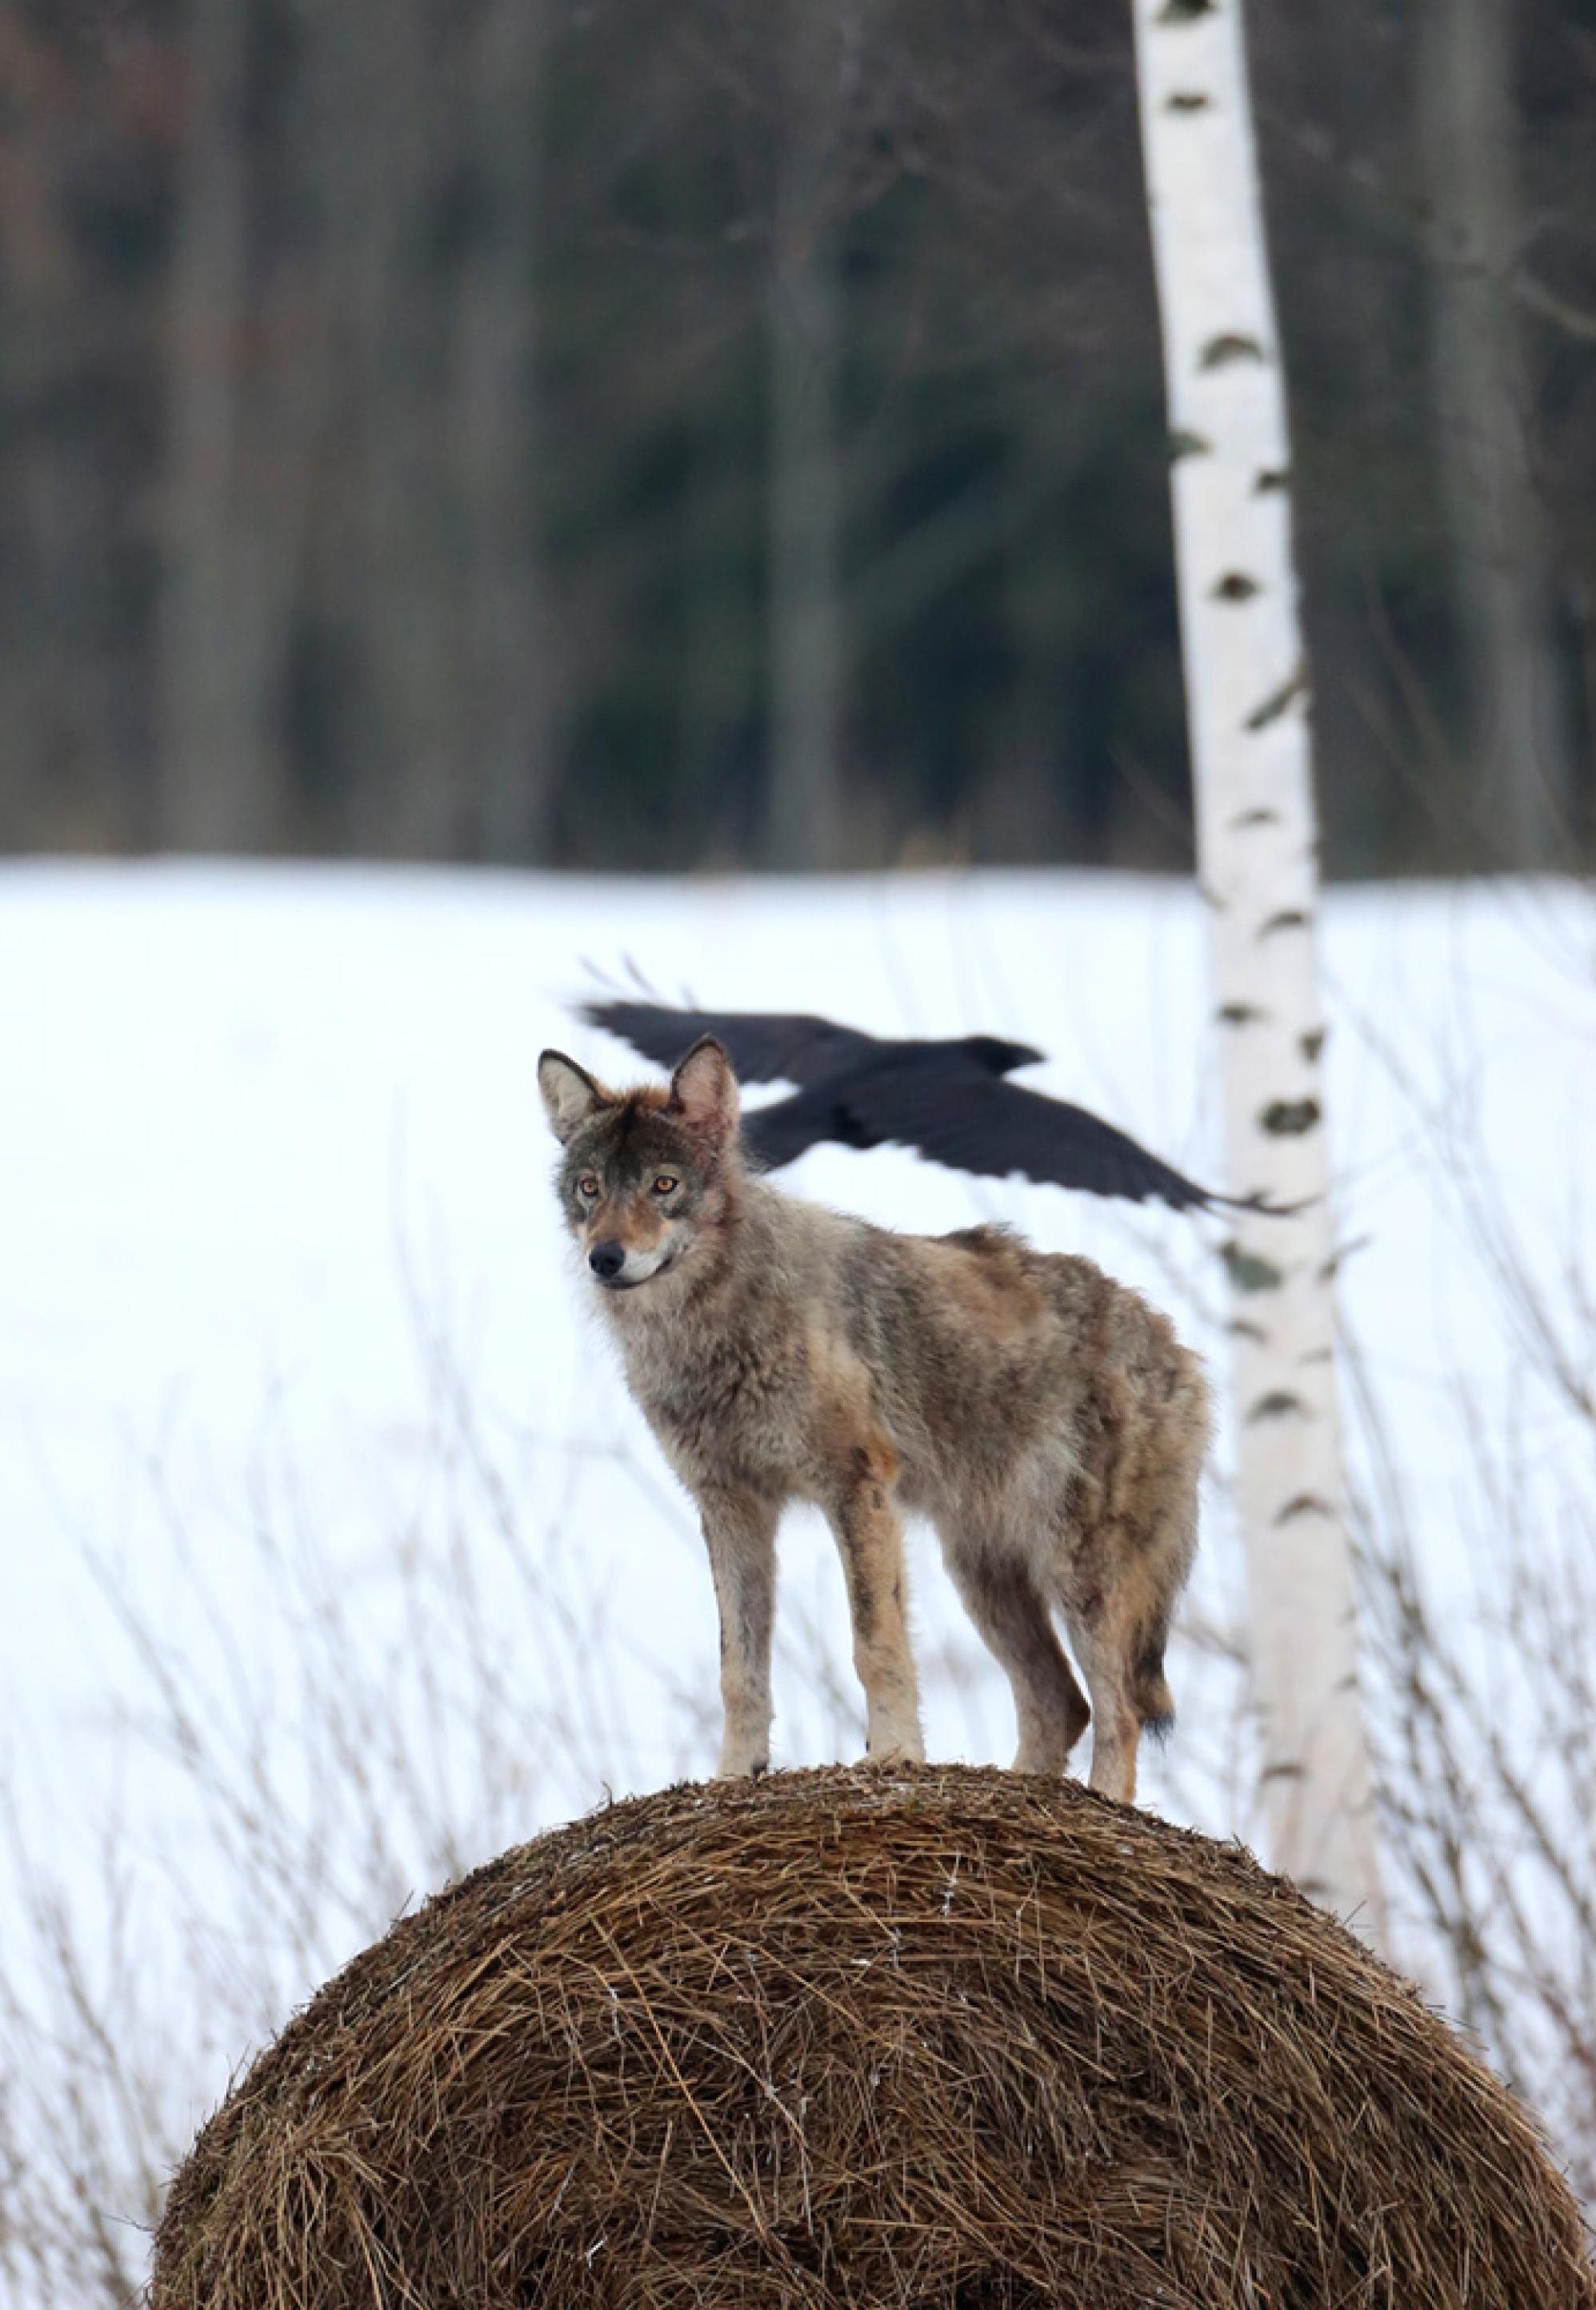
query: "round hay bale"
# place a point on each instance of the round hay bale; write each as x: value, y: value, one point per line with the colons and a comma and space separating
x: 917, y: 2037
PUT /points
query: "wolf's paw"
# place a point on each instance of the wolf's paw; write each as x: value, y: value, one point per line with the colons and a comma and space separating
x: 741, y: 1767
x: 1041, y: 1757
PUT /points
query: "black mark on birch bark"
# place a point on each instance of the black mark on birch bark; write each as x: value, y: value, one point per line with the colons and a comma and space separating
x: 1289, y: 1118
x: 1279, y: 1403
x: 1304, y: 1504
x: 1230, y: 346
x: 1185, y: 12
x: 1239, y: 1014
x: 1290, y: 918
x: 1311, y: 1044
x: 1235, y: 585
x: 1270, y: 709
x: 1187, y: 99
x: 1183, y: 444
x: 1245, y: 818
x: 1247, y: 1272
x: 1269, y: 477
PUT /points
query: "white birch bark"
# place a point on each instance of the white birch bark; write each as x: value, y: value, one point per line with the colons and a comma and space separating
x: 1247, y: 712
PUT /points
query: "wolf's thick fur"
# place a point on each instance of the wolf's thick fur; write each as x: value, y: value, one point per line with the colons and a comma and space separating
x: 1044, y: 1418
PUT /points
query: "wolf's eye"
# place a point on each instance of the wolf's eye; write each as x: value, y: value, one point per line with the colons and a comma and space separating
x: 587, y: 1188
x: 666, y: 1184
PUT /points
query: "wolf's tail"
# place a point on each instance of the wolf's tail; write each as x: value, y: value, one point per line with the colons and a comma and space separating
x: 1149, y: 1687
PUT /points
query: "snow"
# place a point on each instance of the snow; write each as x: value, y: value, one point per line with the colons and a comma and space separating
x: 274, y: 1207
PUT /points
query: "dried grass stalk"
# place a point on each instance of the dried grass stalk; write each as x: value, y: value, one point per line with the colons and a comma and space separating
x: 928, y: 2037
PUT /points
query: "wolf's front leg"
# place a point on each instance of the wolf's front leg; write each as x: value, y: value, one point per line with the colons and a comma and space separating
x: 739, y: 1533
x: 870, y: 1537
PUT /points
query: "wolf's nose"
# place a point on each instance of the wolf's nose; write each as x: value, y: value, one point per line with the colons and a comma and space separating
x: 607, y: 1259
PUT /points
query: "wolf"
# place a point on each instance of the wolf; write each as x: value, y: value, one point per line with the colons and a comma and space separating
x: 1043, y: 1417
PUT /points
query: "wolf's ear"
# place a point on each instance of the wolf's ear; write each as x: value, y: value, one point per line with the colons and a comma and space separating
x: 571, y: 1095
x: 704, y: 1092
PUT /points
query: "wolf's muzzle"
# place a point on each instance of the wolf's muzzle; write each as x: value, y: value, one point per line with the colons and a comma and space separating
x: 607, y: 1260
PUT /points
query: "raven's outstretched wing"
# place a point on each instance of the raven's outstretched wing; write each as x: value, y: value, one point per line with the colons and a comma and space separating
x: 977, y: 1122
x: 785, y: 1129
x: 861, y: 1093
x: 763, y: 1046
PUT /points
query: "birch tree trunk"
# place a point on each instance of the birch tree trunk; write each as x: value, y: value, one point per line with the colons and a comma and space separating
x: 1518, y: 741
x: 802, y: 352
x: 1247, y: 711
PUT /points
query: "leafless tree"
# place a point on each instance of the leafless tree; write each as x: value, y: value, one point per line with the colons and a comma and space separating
x: 803, y: 349
x: 1246, y: 702
x: 221, y: 615
x: 1517, y: 745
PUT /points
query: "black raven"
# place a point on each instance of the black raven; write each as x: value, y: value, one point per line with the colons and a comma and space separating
x: 947, y: 1098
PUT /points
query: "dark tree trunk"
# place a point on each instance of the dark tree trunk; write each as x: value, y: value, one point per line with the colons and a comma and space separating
x: 1517, y: 738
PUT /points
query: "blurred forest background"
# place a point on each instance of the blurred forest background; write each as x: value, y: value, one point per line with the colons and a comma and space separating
x: 672, y: 433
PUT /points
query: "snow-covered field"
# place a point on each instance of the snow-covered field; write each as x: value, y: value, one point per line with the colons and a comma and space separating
x: 281, y: 1279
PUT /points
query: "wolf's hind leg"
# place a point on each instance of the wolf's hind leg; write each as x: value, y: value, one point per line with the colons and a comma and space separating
x: 1116, y: 1728
x: 1013, y: 1620
x: 739, y: 1533
x: 870, y: 1538
x: 1117, y: 1628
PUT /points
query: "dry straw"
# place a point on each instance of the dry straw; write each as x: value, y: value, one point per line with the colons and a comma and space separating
x: 929, y: 2036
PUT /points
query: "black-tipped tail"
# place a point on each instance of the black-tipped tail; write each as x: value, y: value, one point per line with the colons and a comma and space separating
x: 1149, y: 1687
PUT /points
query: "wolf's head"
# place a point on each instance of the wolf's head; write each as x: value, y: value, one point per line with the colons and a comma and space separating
x: 644, y: 1173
